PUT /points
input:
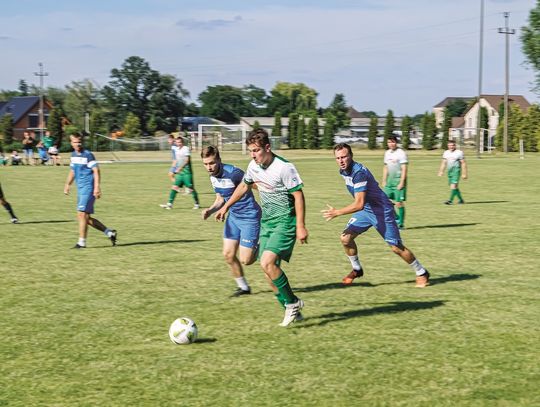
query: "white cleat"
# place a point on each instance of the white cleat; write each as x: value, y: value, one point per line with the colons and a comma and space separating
x: 196, y: 206
x: 291, y: 312
x: 14, y: 220
x: 166, y: 206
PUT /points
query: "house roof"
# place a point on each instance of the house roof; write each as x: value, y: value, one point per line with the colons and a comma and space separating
x: 457, y: 122
x: 451, y: 99
x: 18, y: 106
x: 496, y: 100
x: 355, y: 114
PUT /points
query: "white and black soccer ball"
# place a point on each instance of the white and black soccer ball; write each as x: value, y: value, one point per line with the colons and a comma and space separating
x: 183, y: 331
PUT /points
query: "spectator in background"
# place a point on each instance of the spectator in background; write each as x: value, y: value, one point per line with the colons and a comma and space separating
x: 48, y: 140
x: 3, y: 159
x: 42, y: 152
x: 15, y: 158
x: 28, y: 148
x: 54, y: 154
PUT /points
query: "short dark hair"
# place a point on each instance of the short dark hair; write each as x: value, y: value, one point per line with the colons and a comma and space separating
x: 76, y: 135
x: 259, y: 137
x: 210, y: 151
x: 342, y: 146
x: 393, y: 138
x: 451, y: 141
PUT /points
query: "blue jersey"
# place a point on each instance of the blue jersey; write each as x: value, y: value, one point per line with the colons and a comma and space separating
x: 360, y: 179
x: 226, y: 182
x: 82, y: 165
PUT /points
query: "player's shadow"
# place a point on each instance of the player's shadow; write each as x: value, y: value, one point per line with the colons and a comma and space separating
x: 160, y: 242
x: 200, y: 341
x: 437, y: 280
x: 331, y: 286
x: 484, y: 202
x: 46, y: 221
x: 446, y: 225
x: 405, y: 306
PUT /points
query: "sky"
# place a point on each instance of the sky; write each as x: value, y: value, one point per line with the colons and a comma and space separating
x: 381, y: 54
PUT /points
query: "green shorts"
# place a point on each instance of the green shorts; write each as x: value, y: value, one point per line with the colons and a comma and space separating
x: 184, y: 180
x: 396, y: 195
x: 453, y: 177
x: 278, y: 237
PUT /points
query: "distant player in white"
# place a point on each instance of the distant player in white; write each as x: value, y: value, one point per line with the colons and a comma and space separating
x: 454, y: 161
x: 394, y: 180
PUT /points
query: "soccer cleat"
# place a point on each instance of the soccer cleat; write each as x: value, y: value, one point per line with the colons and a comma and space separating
x: 401, y: 227
x: 240, y: 292
x: 348, y: 279
x: 196, y: 206
x: 166, y: 206
x: 291, y: 312
x: 461, y: 202
x: 299, y: 317
x: 423, y: 280
x: 78, y: 246
x: 14, y: 220
x: 113, y: 237
x: 447, y: 202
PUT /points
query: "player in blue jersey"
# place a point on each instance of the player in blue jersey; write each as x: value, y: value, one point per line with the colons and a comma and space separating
x: 85, y: 171
x: 371, y: 208
x: 241, y: 232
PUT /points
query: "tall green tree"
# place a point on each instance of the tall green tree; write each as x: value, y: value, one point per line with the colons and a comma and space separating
x: 55, y: 126
x: 328, y: 131
x: 372, y: 133
x: 224, y: 102
x: 256, y: 125
x: 406, y: 128
x: 484, y: 124
x: 256, y: 100
x: 445, y: 129
x: 457, y: 107
x: 99, y: 125
x: 276, y: 130
x: 287, y: 97
x: 532, y: 138
x: 6, y: 130
x: 166, y: 104
x: 81, y: 98
x: 530, y: 42
x: 292, y: 130
x: 132, y: 127
x: 338, y: 108
x: 312, y: 132
x: 300, y: 133
x: 389, y: 125
x: 429, y: 130
x: 23, y: 88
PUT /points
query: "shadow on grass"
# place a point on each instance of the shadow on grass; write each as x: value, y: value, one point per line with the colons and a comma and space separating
x: 391, y: 308
x: 447, y: 225
x: 204, y: 340
x: 45, y: 221
x: 160, y: 242
x: 331, y: 286
x: 484, y: 202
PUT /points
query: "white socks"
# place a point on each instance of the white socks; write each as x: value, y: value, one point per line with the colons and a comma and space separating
x: 355, y: 263
x: 242, y: 283
x: 417, y: 267
x: 82, y: 242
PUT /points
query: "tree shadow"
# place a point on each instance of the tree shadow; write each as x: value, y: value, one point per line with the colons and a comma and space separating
x: 447, y: 225
x: 390, y: 308
x: 160, y: 242
x: 484, y: 202
x: 45, y: 221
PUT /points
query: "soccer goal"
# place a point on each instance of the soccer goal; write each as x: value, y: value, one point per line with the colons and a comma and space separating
x: 144, y: 149
x: 227, y: 137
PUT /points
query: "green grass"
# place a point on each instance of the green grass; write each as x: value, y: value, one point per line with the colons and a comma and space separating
x: 89, y: 328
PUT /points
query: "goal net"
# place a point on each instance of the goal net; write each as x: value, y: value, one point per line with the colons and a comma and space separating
x: 226, y: 137
x: 144, y: 149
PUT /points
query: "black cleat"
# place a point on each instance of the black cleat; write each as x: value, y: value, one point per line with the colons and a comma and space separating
x: 240, y: 292
x: 447, y: 202
x: 78, y: 246
x: 113, y: 237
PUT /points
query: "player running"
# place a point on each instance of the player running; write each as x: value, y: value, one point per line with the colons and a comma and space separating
x: 283, y: 216
x: 394, y: 181
x: 85, y: 171
x: 371, y: 207
x: 454, y: 161
x: 184, y: 174
x: 7, y: 206
x: 242, y: 227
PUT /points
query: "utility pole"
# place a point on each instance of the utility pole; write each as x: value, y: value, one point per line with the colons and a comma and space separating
x: 480, y: 65
x: 41, y: 75
x: 507, y: 32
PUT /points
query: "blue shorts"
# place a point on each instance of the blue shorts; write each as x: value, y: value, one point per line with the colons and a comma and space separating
x: 246, y: 231
x: 85, y: 202
x: 382, y: 220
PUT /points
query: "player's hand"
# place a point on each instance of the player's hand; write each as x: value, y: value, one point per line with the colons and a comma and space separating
x: 440, y: 174
x: 66, y: 190
x: 205, y: 213
x: 302, y: 234
x: 97, y: 193
x: 400, y: 186
x: 329, y: 213
x: 220, y: 215
x: 464, y: 176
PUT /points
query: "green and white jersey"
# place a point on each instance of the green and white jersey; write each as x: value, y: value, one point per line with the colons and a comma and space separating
x: 453, y: 161
x: 275, y: 183
x: 182, y: 155
x: 394, y: 159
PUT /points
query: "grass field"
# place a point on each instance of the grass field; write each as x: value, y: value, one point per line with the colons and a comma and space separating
x: 89, y: 328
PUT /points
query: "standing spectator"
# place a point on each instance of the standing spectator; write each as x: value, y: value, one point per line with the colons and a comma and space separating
x: 54, y: 154
x: 15, y: 158
x: 28, y: 148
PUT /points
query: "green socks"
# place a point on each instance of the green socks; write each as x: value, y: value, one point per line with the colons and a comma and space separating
x: 401, y: 216
x: 280, y: 299
x: 195, y: 196
x: 458, y: 194
x: 172, y: 195
x: 284, y: 288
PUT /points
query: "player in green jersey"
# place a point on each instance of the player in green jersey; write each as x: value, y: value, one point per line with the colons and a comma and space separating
x: 394, y: 180
x: 283, y: 216
x: 454, y: 161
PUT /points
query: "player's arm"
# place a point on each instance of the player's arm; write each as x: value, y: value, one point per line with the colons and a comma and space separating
x: 218, y: 203
x: 300, y: 209
x: 358, y: 204
x: 69, y: 181
x: 442, y: 166
x: 238, y: 193
x: 403, y: 177
x: 384, y: 175
x: 97, y: 176
x: 463, y: 168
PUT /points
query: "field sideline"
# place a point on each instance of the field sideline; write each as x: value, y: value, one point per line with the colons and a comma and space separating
x: 89, y: 327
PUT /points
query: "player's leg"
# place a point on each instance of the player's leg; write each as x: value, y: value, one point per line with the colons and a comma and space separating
x: 82, y: 218
x: 110, y: 233
x: 175, y: 188
x: 457, y: 194
x: 401, y: 197
x: 231, y: 241
x: 189, y: 183
x: 8, y: 207
x: 249, y: 240
x: 358, y: 224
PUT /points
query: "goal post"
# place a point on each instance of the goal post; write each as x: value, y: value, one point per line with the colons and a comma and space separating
x: 226, y: 137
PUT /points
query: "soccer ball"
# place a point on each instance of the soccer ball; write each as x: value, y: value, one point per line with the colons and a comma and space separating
x: 183, y: 331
